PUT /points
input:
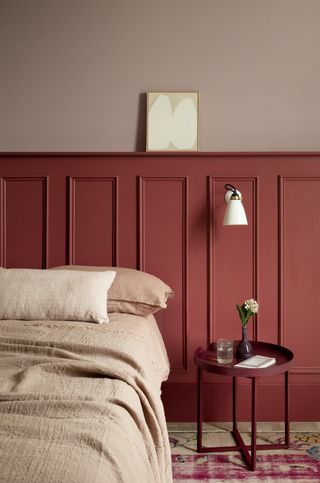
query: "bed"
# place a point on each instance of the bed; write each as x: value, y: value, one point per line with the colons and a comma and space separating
x: 80, y: 401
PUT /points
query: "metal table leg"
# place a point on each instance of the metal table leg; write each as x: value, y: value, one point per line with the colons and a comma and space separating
x: 234, y: 404
x: 253, y: 458
x: 199, y: 411
x: 250, y: 460
x: 286, y: 410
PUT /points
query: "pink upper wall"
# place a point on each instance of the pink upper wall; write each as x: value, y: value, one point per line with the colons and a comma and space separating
x: 73, y: 72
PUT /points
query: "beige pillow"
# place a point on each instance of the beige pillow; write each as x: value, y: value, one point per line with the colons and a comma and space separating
x: 133, y: 291
x: 30, y: 294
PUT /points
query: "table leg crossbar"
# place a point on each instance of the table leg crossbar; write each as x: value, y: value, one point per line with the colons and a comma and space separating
x: 250, y: 459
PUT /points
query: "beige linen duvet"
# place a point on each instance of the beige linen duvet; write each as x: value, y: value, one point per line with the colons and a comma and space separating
x: 80, y: 402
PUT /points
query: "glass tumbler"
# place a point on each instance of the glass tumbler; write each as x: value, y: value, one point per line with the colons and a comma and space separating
x: 224, y: 351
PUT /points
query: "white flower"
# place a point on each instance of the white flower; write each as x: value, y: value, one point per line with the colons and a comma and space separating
x: 252, y: 305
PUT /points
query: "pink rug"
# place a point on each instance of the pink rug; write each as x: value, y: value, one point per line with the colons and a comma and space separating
x: 281, y: 468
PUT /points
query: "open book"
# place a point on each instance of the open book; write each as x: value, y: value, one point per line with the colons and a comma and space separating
x: 256, y: 362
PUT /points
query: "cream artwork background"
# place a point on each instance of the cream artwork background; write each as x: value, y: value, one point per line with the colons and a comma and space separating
x: 172, y: 121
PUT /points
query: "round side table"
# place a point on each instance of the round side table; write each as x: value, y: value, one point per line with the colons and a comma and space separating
x: 206, y: 360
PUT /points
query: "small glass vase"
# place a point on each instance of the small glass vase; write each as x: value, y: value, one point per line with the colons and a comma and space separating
x: 244, y: 348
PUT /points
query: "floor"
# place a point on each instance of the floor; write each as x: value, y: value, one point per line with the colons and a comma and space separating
x: 298, y: 464
x: 183, y: 436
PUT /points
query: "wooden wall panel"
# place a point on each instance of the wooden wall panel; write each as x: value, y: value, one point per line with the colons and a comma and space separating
x: 300, y: 270
x: 163, y: 250
x: 24, y: 222
x: 93, y: 221
x: 232, y: 258
x: 170, y: 224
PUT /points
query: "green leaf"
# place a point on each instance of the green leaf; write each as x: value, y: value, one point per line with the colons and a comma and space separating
x: 239, y: 310
x: 242, y: 313
x: 249, y: 313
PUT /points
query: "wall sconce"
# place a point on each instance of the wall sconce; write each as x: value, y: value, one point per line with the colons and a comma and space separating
x: 235, y: 214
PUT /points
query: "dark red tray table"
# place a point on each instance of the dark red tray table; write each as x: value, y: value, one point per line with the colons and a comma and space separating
x: 207, y: 360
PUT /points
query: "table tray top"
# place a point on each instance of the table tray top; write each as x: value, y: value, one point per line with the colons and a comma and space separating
x: 207, y: 359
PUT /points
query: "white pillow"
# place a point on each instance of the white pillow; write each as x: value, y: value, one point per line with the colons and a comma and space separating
x: 30, y: 294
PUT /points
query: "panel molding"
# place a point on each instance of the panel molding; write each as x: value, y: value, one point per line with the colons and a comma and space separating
x: 282, y: 180
x: 45, y: 225
x: 72, y: 210
x: 211, y: 181
x: 2, y: 224
x: 184, y: 180
x: 305, y: 370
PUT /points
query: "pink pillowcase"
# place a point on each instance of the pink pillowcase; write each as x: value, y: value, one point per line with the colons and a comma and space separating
x: 133, y: 291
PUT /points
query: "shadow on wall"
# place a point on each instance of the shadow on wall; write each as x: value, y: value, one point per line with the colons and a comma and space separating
x: 141, y: 123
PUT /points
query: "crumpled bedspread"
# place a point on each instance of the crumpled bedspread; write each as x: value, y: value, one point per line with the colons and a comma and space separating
x: 80, y: 403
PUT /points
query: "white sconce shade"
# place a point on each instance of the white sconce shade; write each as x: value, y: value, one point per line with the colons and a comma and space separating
x: 235, y: 213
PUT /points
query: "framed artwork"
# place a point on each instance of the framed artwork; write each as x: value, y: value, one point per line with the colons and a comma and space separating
x: 172, y: 121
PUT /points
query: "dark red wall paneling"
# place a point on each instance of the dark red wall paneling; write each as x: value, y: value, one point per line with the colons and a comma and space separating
x: 233, y: 253
x: 93, y: 209
x: 300, y: 270
x: 163, y: 203
x: 163, y: 213
x: 24, y: 210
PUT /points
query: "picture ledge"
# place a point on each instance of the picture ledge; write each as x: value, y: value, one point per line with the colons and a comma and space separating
x: 153, y: 154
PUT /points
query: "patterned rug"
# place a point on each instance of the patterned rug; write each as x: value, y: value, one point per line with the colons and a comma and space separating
x: 301, y: 463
